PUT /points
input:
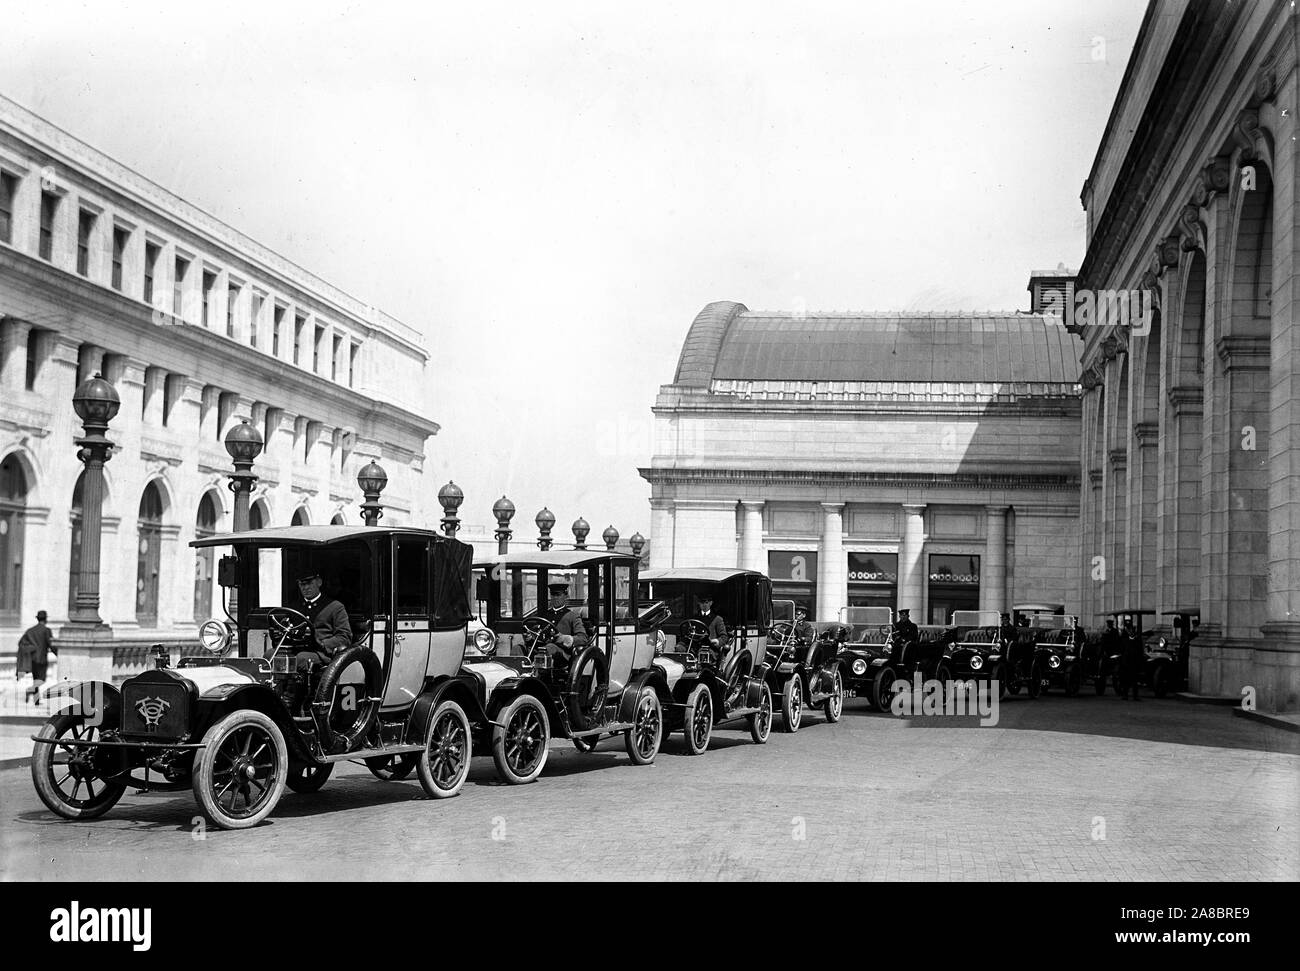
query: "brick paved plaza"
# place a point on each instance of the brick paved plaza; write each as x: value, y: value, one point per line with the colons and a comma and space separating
x: 1185, y: 792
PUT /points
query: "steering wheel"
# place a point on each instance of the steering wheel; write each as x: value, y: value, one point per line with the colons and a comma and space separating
x: 693, y: 631
x: 783, y: 633
x: 537, y: 631
x: 290, y: 624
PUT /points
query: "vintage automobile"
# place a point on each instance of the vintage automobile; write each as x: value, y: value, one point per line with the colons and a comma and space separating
x: 1169, y: 652
x: 804, y: 667
x: 1164, y: 652
x: 706, y: 686
x: 876, y: 662
x: 608, y: 687
x: 242, y: 723
x: 974, y: 650
x: 1052, y: 636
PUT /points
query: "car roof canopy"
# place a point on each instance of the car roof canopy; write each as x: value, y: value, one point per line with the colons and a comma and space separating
x: 976, y: 618
x: 554, y: 559
x: 705, y: 574
x: 313, y: 535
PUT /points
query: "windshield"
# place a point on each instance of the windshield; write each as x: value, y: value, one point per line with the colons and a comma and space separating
x: 345, y: 570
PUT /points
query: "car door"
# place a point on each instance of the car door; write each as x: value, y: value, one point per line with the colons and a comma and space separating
x: 410, y: 632
x: 619, y: 633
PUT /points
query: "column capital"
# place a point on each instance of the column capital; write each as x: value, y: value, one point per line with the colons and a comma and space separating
x: 753, y: 505
x: 832, y: 506
x: 1146, y: 433
x: 997, y: 510
x: 914, y: 508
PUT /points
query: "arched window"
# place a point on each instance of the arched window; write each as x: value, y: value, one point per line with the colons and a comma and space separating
x: 149, y: 557
x: 257, y: 516
x: 205, y: 525
x: 338, y: 520
x: 300, y: 517
x: 13, y: 513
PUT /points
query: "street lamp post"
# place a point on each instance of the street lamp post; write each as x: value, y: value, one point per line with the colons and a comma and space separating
x: 450, y: 497
x: 610, y: 536
x: 85, y: 642
x: 244, y: 443
x: 637, y: 542
x: 372, y: 478
x: 580, y: 531
x: 96, y: 403
x: 504, y: 510
x: 545, y: 520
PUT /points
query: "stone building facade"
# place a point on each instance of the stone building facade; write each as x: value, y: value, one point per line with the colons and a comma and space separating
x: 197, y: 327
x: 1191, y: 418
x: 926, y: 461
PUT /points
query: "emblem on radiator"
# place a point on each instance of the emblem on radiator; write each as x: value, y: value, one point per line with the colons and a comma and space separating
x: 151, y: 711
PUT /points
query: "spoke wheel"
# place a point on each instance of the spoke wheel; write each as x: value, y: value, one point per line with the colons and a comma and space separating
x: 1035, y: 680
x: 309, y: 778
x: 1160, y: 681
x: 699, y: 720
x: 643, y: 738
x: 833, y: 706
x: 792, y: 705
x: 1072, y: 682
x: 760, y: 722
x: 519, y: 749
x: 393, y: 768
x: 444, y: 763
x: 66, y: 776
x: 883, y: 688
x: 241, y: 771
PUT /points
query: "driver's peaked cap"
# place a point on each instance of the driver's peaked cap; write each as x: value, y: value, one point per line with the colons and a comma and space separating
x: 557, y: 582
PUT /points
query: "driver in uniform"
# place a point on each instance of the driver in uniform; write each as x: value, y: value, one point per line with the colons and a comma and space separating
x: 904, y: 631
x: 331, y: 629
x: 570, y: 634
x: 715, y: 625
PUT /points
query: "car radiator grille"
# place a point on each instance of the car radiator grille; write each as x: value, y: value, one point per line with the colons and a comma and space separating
x: 154, y: 711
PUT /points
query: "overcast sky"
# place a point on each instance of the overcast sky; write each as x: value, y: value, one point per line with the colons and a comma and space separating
x: 551, y: 192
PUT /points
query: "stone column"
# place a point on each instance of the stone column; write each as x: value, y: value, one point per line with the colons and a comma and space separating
x: 662, y: 540
x: 911, y: 561
x: 832, y: 565
x: 751, y: 536
x: 993, y: 574
x: 1140, y: 567
x: 14, y: 335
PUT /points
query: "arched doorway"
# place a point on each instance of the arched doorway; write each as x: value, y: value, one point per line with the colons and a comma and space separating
x: 13, y: 514
x: 205, y: 525
x: 148, y: 557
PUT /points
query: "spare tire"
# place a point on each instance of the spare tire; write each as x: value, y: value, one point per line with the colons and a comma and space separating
x: 332, y: 741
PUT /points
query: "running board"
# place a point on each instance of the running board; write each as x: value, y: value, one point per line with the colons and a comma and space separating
x: 611, y: 729
x: 371, y: 753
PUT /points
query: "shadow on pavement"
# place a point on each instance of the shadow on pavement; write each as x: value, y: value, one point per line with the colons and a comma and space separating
x: 1108, y: 716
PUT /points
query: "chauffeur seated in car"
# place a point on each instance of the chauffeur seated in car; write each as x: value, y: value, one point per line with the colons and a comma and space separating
x: 570, y: 634
x: 713, y: 622
x: 331, y: 629
x: 904, y: 631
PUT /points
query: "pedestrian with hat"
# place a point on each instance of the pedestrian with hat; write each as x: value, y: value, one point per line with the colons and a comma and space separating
x: 34, y: 650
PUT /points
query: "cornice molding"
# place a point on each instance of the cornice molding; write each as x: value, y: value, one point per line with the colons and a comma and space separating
x: 766, y: 477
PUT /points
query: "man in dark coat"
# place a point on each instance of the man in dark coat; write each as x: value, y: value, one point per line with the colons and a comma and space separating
x: 34, y: 650
x: 1131, y: 658
x: 570, y: 632
x: 331, y: 629
x: 717, y: 627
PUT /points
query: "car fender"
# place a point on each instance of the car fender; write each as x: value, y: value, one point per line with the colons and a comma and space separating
x: 250, y: 697
x: 97, y: 701
x: 653, y: 677
x: 511, y: 688
x: 459, y: 689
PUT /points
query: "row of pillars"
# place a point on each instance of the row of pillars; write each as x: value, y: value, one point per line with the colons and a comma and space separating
x: 451, y: 496
x: 96, y: 403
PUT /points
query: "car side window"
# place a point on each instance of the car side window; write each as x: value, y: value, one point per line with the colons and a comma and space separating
x: 411, y: 582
